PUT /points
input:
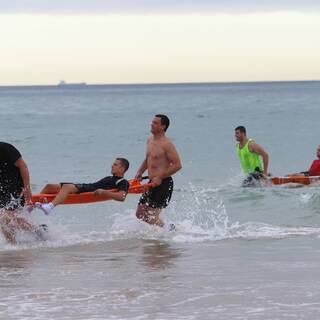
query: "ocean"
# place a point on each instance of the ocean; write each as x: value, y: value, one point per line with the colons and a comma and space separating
x: 238, y: 253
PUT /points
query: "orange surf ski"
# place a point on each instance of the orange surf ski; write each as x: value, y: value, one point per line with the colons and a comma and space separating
x: 301, y: 179
x: 88, y: 197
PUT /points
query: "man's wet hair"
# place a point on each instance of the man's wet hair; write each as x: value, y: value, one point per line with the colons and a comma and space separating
x: 164, y: 120
x: 242, y: 129
x: 124, y: 163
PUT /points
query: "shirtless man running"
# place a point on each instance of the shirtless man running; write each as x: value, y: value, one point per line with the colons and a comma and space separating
x: 162, y: 161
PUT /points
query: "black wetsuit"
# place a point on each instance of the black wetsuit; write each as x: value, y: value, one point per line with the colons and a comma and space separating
x: 110, y: 182
x: 11, y: 183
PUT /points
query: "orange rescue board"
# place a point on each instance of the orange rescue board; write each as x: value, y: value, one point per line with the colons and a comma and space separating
x: 88, y: 197
x: 302, y: 179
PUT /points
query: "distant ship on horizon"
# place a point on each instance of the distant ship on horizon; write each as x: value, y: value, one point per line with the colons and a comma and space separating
x: 62, y: 83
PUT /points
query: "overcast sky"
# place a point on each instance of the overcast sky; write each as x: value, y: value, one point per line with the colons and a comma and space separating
x: 154, y: 6
x: 45, y: 41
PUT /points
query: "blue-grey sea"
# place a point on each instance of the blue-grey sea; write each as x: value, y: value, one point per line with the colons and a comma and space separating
x: 238, y: 253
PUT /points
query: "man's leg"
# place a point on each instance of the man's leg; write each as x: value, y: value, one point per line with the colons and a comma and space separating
x: 149, y: 215
x: 51, y: 188
x: 10, y: 222
x: 62, y: 195
x: 48, y: 189
x: 6, y: 228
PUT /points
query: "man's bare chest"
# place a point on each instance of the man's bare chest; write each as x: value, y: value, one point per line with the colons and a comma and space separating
x: 155, y: 151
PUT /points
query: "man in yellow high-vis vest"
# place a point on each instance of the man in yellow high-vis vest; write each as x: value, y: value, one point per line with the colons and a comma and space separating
x: 249, y: 153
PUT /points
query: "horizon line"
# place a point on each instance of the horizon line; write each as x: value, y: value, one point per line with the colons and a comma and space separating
x: 84, y: 84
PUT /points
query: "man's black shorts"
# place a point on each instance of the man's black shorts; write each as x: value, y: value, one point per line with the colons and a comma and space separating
x: 158, y: 197
x: 85, y: 187
x: 253, y: 178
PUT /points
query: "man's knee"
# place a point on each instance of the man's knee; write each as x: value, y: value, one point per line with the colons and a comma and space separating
x: 142, y: 212
x: 51, y: 188
x: 47, y: 187
x: 5, y: 220
x: 69, y: 187
x: 148, y: 214
x: 139, y: 213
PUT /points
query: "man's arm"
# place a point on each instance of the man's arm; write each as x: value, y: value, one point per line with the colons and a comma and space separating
x: 20, y: 163
x: 142, y: 169
x: 144, y: 165
x: 115, y: 195
x: 254, y: 147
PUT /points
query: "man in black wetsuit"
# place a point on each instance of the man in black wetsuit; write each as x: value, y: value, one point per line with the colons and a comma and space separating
x: 116, y: 181
x: 14, y: 192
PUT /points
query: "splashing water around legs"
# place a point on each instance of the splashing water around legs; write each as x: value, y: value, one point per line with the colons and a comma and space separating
x: 149, y: 215
x: 203, y: 209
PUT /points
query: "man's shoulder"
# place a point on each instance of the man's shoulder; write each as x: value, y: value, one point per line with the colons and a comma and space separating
x: 122, y: 184
x: 8, y: 146
x: 107, y: 177
x: 5, y: 145
x: 168, y: 143
x: 9, y: 152
x: 120, y: 179
x: 163, y: 141
x: 251, y: 143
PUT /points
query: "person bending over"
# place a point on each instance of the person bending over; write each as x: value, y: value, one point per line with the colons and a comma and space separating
x: 116, y: 181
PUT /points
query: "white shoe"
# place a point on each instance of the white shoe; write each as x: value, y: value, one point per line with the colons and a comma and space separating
x: 45, y: 207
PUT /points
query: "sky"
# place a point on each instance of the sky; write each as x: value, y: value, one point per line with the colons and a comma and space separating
x: 101, y: 41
